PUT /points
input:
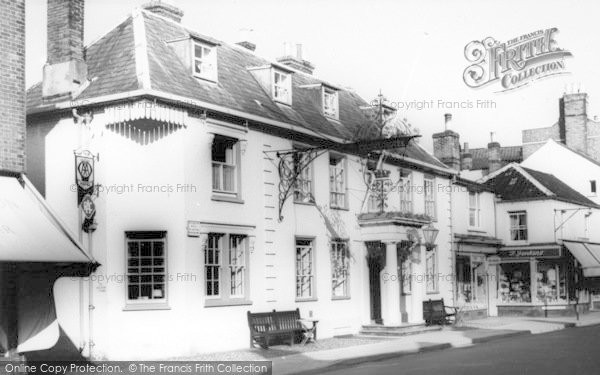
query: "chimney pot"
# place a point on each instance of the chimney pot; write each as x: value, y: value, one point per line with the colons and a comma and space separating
x: 296, y: 60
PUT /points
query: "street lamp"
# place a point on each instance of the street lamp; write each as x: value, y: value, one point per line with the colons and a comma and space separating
x: 429, y: 234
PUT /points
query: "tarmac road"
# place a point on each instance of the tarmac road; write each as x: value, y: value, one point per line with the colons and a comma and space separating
x: 573, y: 351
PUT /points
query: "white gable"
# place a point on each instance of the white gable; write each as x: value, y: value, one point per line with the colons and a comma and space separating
x: 569, y: 166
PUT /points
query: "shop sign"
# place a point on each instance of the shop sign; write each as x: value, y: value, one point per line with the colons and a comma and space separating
x: 530, y: 253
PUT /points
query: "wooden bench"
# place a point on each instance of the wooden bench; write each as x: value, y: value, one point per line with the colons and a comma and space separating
x: 267, y: 325
x: 436, y: 312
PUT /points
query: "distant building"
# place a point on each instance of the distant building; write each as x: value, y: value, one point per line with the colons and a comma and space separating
x: 574, y: 128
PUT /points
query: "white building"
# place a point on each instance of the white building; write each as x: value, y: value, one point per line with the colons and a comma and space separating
x: 550, y: 252
x: 198, y: 217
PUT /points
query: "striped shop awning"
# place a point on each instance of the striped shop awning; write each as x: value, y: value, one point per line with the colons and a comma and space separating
x: 145, y: 110
x: 586, y: 253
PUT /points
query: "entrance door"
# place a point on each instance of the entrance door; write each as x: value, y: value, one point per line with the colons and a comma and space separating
x: 376, y: 263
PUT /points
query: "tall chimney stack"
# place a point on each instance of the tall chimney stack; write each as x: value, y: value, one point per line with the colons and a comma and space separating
x: 65, y: 72
x: 572, y: 122
x: 446, y: 145
x: 467, y: 158
x: 493, y: 156
x: 164, y: 9
x: 12, y: 86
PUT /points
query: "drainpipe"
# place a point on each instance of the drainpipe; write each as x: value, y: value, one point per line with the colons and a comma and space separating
x: 90, y: 301
x: 452, y: 247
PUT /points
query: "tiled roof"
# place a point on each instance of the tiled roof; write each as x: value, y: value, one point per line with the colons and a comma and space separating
x: 508, y: 154
x: 512, y: 184
x: 112, y: 66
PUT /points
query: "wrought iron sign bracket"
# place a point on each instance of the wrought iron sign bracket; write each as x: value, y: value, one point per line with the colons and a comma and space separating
x: 291, y: 164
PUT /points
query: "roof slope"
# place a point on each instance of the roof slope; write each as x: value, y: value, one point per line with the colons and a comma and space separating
x: 519, y: 183
x: 508, y: 154
x: 112, y: 68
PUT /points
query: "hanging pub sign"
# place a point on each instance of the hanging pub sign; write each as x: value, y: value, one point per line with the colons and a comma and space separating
x: 88, y: 209
x: 84, y: 174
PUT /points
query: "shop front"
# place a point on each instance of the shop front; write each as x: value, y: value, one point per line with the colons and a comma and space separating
x: 474, y: 277
x: 542, y: 280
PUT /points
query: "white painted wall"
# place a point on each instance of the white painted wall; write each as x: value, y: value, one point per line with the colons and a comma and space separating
x: 568, y: 166
x: 187, y: 327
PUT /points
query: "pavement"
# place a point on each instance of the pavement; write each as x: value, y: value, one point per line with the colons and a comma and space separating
x: 469, y: 334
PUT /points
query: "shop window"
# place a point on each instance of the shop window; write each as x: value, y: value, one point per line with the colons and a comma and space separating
x: 146, y: 267
x: 431, y: 270
x: 226, y: 265
x: 339, y: 269
x: 305, y: 273
x: 518, y: 226
x: 337, y: 181
x: 551, y: 282
x: 225, y: 165
x: 514, y: 282
x: 464, y: 280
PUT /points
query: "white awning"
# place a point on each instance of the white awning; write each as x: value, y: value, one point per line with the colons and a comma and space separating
x: 588, y: 255
x: 145, y: 110
x: 30, y: 231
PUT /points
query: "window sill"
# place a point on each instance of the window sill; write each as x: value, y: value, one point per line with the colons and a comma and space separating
x: 433, y: 292
x: 305, y: 203
x: 345, y: 298
x: 339, y: 208
x: 476, y: 230
x: 311, y: 299
x: 205, y: 79
x: 228, y: 302
x: 224, y: 198
x: 132, y: 306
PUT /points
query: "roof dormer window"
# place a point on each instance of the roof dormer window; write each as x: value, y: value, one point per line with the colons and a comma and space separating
x: 330, y: 103
x: 205, y: 61
x: 282, y: 86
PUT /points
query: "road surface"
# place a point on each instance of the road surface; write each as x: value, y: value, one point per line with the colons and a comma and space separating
x: 574, y: 351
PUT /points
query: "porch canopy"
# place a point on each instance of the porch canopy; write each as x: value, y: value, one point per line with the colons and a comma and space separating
x: 586, y: 253
x: 35, y: 249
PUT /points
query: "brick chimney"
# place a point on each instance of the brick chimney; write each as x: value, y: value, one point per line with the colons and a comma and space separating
x: 65, y: 73
x: 466, y: 158
x: 446, y: 145
x: 493, y: 156
x: 164, y: 9
x: 296, y: 61
x: 12, y: 86
x: 572, y: 122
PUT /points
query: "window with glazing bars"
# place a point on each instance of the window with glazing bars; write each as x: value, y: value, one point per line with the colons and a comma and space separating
x: 339, y: 268
x: 337, y: 182
x: 146, y: 266
x: 304, y: 269
x: 224, y: 164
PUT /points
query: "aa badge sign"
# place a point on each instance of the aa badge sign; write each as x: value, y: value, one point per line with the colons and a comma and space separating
x: 84, y: 174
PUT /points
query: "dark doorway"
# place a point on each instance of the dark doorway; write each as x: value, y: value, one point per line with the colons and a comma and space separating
x: 376, y: 263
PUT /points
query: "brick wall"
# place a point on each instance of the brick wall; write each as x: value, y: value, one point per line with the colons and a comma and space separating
x: 12, y: 85
x: 573, y: 120
x: 65, y: 30
x: 533, y: 139
x: 446, y: 147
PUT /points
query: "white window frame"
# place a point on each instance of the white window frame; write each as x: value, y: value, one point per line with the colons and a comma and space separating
x: 221, y: 166
x: 340, y: 253
x: 338, y: 182
x: 405, y: 192
x: 429, y: 197
x: 331, y: 107
x: 518, y: 228
x: 475, y: 211
x: 304, y: 186
x: 285, y: 87
x: 227, y: 264
x: 211, y: 61
x: 139, y: 237
x: 432, y: 282
x: 301, y: 273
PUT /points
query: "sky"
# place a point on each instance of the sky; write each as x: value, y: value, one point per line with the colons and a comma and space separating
x: 411, y: 51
